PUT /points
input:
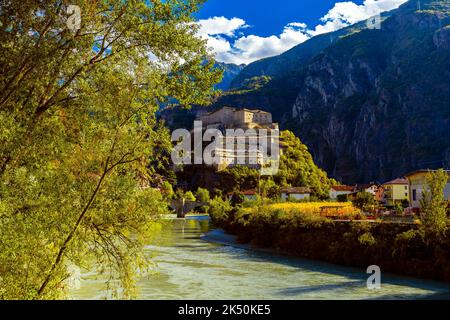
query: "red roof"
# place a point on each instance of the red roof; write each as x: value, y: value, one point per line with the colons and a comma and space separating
x: 424, y: 171
x: 397, y: 181
x: 343, y: 188
x: 249, y: 192
x: 296, y: 190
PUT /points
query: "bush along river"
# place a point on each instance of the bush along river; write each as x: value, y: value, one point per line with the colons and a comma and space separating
x: 195, y: 261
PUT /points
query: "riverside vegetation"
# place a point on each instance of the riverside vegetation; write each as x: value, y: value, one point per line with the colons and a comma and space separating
x: 420, y: 249
x: 82, y: 154
x: 79, y: 135
x: 347, y: 94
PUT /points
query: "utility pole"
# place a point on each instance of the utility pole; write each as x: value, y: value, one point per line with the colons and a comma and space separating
x: 259, y: 181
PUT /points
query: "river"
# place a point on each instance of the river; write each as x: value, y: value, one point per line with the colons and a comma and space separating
x: 191, y: 266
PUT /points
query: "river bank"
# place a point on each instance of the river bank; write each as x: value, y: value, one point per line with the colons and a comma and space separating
x: 189, y: 267
x: 397, y: 248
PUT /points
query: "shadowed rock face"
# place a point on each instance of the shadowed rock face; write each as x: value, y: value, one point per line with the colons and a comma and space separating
x: 230, y: 71
x: 377, y: 104
x: 372, y: 105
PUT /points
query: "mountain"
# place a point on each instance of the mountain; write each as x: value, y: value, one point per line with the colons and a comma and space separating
x: 372, y: 105
x: 230, y: 72
x: 282, y: 65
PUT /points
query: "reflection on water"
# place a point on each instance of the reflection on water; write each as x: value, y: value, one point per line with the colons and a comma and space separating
x: 191, y: 268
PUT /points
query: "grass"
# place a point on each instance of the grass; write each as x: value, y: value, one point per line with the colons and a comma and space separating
x: 322, y: 209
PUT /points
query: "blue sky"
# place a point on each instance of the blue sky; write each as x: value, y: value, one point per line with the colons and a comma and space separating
x: 242, y: 31
x: 268, y: 17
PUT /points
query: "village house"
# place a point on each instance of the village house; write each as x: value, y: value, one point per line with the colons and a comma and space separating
x: 417, y: 181
x: 396, y: 192
x: 300, y: 193
x: 373, y: 188
x: 337, y: 191
x: 250, y: 195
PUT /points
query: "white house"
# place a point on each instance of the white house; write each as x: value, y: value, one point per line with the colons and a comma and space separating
x: 250, y: 195
x: 336, y: 191
x: 417, y: 180
x: 295, y: 193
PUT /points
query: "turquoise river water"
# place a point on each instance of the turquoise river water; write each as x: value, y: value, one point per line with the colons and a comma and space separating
x: 192, y: 266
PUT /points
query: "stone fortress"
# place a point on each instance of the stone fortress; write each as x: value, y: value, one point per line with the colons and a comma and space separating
x: 229, y: 117
x: 248, y: 125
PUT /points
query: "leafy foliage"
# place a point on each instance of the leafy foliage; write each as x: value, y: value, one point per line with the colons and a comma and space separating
x: 433, y: 203
x: 220, y: 210
x: 321, y: 209
x: 268, y: 188
x: 297, y: 167
x: 364, y: 199
x: 79, y: 133
x: 202, y: 195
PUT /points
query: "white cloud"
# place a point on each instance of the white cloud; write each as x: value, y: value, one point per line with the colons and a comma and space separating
x: 347, y: 13
x: 218, y: 44
x: 251, y: 48
x: 221, y: 32
x: 221, y: 26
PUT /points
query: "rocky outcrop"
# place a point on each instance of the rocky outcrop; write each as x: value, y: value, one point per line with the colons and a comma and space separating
x: 371, y: 105
x: 377, y: 104
x: 441, y: 38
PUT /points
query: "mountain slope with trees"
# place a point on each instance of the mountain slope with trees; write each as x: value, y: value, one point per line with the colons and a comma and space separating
x: 374, y: 104
x: 79, y: 134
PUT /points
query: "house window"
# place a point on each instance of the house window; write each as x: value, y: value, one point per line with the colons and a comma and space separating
x: 414, y: 195
x: 406, y: 187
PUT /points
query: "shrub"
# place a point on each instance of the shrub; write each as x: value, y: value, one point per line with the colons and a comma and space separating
x: 367, y: 239
x: 325, y: 209
x: 220, y: 210
x: 363, y: 199
x: 167, y: 190
x: 433, y: 203
x: 202, y: 195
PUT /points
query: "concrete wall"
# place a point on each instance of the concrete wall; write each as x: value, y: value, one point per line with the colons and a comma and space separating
x: 334, y: 194
x: 396, y: 193
x: 231, y: 116
x: 416, y: 183
x: 224, y: 115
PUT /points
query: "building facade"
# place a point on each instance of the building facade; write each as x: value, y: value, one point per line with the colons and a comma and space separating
x: 417, y: 182
x: 252, y: 141
x: 229, y: 117
x: 336, y: 191
x: 396, y: 192
x: 295, y: 194
x: 373, y: 188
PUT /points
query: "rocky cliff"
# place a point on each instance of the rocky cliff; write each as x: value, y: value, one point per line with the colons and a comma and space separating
x: 377, y: 104
x: 372, y: 105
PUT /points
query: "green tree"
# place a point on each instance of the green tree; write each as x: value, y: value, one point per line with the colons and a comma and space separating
x: 239, y: 178
x: 297, y: 168
x: 268, y: 188
x: 342, y: 198
x: 79, y: 131
x: 202, y: 195
x: 364, y: 199
x: 398, y: 208
x: 167, y: 190
x: 220, y: 210
x: 433, y: 203
x: 189, y: 196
